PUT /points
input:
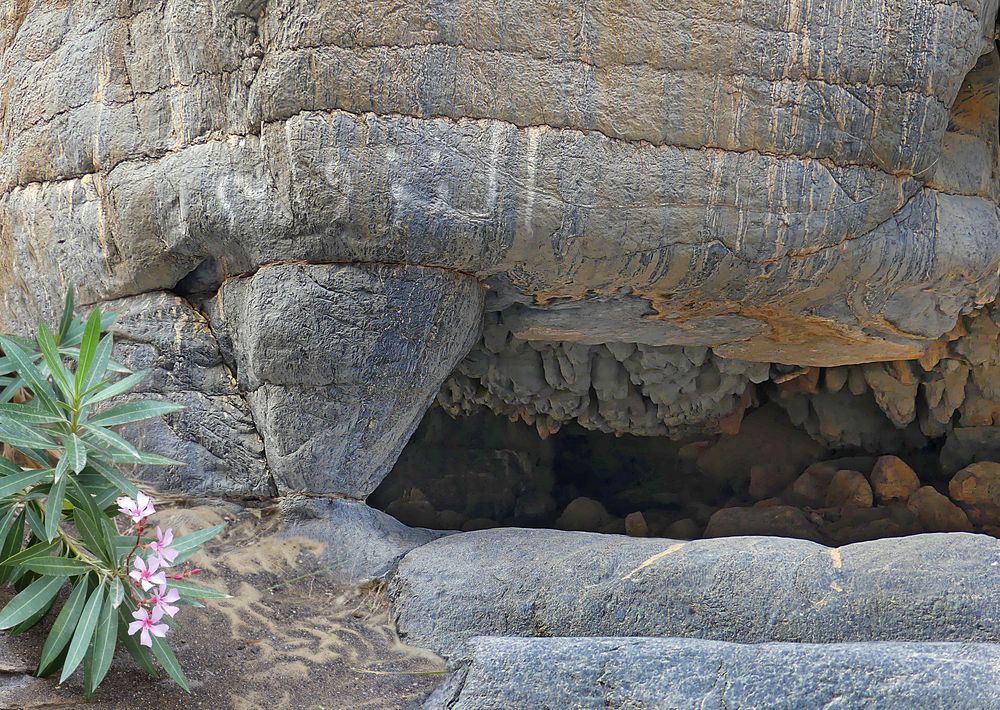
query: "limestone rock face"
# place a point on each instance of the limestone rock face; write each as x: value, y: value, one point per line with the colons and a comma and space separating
x: 667, y: 206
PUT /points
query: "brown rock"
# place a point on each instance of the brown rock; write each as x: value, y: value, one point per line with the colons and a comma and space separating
x: 861, y: 524
x: 937, y: 513
x: 976, y: 488
x: 779, y: 520
x: 810, y: 488
x: 585, y: 514
x: 415, y: 512
x: 768, y: 480
x: 683, y: 529
x: 769, y: 503
x: 479, y: 524
x: 849, y: 489
x: 892, y: 479
x: 635, y: 525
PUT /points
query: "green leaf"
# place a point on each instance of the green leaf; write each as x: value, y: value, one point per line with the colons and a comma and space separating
x: 76, y: 452
x: 88, y: 349
x: 34, y: 519
x: 55, y: 566
x: 193, y: 591
x: 112, y: 475
x: 117, y: 593
x: 63, y: 628
x: 26, y: 369
x: 11, y: 544
x: 113, y: 443
x: 66, y: 322
x: 35, y: 597
x: 9, y: 485
x: 54, y: 502
x: 134, y: 412
x: 102, y: 652
x: 94, y: 536
x: 15, y: 433
x: 168, y: 661
x: 187, y: 545
x: 126, y: 384
x: 6, y: 518
x: 28, y: 414
x: 84, y: 632
x: 102, y: 360
x: 50, y: 353
x: 139, y: 653
x: 8, y: 467
x: 33, y: 620
x: 37, y: 550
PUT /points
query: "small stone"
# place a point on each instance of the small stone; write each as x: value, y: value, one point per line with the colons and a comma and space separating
x: 534, y: 507
x: 937, y: 513
x: 863, y: 524
x: 769, y: 503
x: 893, y: 479
x: 849, y: 489
x: 449, y: 520
x: 683, y: 529
x: 584, y: 514
x: 635, y: 525
x: 976, y: 488
x: 415, y: 512
x: 779, y: 521
x: 768, y: 480
x: 810, y: 488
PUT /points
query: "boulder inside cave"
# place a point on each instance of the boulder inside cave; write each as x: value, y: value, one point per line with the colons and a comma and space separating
x: 771, y: 478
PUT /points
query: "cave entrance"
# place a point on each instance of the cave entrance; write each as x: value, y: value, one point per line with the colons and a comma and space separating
x: 483, y: 471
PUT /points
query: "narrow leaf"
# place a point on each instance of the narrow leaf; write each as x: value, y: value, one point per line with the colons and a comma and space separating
x: 112, y: 475
x: 99, y: 367
x: 55, y: 566
x: 16, y: 433
x: 63, y: 628
x: 50, y: 353
x: 168, y: 661
x: 103, y: 649
x: 26, y: 369
x: 35, y: 596
x: 84, y: 632
x: 40, y: 549
x: 107, y: 438
x: 139, y: 653
x: 67, y: 315
x: 9, y: 485
x: 187, y: 545
x: 54, y: 502
x: 126, y: 384
x: 134, y: 412
x: 193, y: 591
x: 76, y: 452
x: 88, y: 348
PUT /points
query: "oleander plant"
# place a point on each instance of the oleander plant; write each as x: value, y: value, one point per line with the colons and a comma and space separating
x: 76, y: 541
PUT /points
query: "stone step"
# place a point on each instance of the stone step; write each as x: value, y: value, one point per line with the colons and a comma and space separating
x: 494, y: 673
x: 517, y: 582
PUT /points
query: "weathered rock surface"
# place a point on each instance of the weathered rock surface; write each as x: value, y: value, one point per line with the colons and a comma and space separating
x: 497, y: 673
x: 215, y: 437
x: 340, y: 363
x: 976, y: 488
x: 542, y: 582
x: 360, y: 544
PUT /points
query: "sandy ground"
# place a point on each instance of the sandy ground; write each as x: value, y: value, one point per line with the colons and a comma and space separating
x: 286, y: 638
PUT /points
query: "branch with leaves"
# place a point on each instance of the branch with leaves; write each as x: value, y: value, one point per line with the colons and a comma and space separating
x: 60, y: 495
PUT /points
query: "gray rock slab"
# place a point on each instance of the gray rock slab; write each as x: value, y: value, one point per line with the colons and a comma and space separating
x: 517, y: 582
x: 361, y: 544
x: 340, y: 362
x: 648, y: 674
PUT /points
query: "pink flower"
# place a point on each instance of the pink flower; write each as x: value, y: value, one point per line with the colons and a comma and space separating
x: 160, y: 547
x: 146, y: 623
x: 147, y: 574
x: 138, y: 509
x: 162, y: 599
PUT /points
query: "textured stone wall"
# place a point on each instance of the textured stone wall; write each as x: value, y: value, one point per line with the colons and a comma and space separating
x: 666, y: 206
